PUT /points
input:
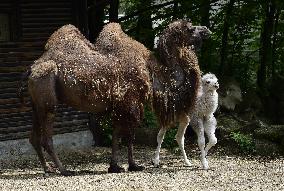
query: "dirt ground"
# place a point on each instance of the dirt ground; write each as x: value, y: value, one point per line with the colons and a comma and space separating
x: 227, y: 172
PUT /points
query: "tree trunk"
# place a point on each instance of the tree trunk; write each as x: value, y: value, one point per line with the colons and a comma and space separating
x: 205, y: 49
x: 274, y: 44
x: 96, y: 18
x: 224, y: 66
x: 265, y: 52
x: 113, y: 11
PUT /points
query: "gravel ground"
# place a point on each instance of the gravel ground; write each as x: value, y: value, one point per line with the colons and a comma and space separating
x: 227, y: 172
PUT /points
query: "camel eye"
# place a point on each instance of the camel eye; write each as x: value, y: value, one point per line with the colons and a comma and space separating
x: 207, y: 82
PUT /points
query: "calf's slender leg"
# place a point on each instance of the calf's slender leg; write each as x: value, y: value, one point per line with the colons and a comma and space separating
x: 201, y: 144
x: 210, y: 127
x: 160, y: 138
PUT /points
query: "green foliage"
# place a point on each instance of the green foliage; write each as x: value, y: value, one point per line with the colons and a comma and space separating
x: 245, y: 142
x: 150, y: 119
x: 170, y: 140
x: 106, y: 125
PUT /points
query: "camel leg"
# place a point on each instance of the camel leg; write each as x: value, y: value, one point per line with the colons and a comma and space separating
x: 160, y: 138
x: 133, y: 115
x: 35, y: 142
x: 126, y: 118
x: 47, y: 142
x: 114, y: 167
x: 210, y: 127
x: 180, y: 137
x: 201, y: 144
x: 132, y: 165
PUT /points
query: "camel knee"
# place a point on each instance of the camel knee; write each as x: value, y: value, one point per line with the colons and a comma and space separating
x: 180, y: 139
x: 213, y: 141
x: 47, y: 144
x: 201, y: 141
x: 161, y: 135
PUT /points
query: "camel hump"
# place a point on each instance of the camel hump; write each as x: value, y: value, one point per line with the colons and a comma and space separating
x: 113, y: 38
x: 65, y: 33
x: 40, y: 69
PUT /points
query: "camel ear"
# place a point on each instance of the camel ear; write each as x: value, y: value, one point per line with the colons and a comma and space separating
x: 191, y: 28
x: 189, y: 25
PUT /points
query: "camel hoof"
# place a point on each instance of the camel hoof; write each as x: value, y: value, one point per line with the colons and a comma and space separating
x: 187, y: 163
x: 156, y: 162
x: 135, y: 167
x: 205, y: 165
x: 67, y: 173
x: 49, y: 170
x: 115, y: 169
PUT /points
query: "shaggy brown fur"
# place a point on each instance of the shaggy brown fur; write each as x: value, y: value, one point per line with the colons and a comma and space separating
x: 112, y: 40
x: 175, y: 93
x: 175, y: 78
x: 116, y: 75
x: 72, y: 72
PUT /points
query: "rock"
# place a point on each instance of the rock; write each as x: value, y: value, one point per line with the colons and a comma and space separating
x: 282, y: 145
x: 266, y: 148
x: 251, y: 107
x: 274, y: 133
x: 252, y: 126
x: 230, y: 94
x: 227, y: 124
x: 275, y: 101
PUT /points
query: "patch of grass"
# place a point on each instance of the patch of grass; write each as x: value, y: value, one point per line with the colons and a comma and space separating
x: 106, y: 125
x: 245, y: 142
x: 170, y: 140
x: 150, y: 119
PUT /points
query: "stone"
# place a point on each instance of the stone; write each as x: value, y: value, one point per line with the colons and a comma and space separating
x: 266, y: 148
x: 274, y: 133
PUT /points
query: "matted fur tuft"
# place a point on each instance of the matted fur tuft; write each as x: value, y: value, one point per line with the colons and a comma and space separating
x: 43, y: 68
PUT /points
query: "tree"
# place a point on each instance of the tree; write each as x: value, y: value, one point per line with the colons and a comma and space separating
x: 265, y: 52
x: 113, y: 11
x: 224, y: 65
x: 205, y: 8
x: 96, y: 16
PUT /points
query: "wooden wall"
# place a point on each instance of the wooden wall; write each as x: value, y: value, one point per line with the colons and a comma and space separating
x: 32, y: 22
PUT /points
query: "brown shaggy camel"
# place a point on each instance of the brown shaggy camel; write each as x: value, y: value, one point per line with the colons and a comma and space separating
x: 117, y: 75
x: 71, y: 71
x: 175, y: 78
x: 176, y: 91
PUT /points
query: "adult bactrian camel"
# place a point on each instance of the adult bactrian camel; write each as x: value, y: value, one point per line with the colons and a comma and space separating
x: 175, y: 78
x: 89, y: 78
x: 71, y: 71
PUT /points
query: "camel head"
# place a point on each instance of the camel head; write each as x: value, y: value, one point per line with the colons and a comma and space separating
x: 187, y: 34
x: 209, y: 82
x: 199, y: 33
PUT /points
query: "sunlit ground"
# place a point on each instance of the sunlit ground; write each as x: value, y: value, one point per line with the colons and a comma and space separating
x: 227, y: 172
